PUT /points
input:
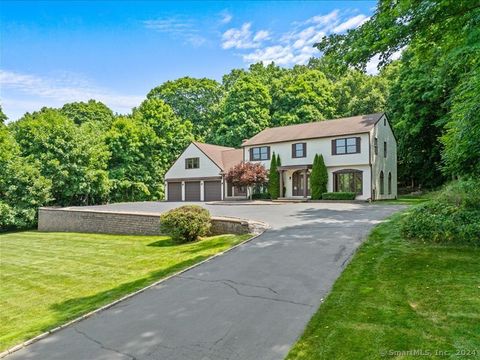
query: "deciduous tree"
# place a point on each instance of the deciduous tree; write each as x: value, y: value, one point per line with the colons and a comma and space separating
x: 73, y: 158
x: 192, y: 99
x: 247, y: 174
x: 245, y: 111
x: 91, y: 111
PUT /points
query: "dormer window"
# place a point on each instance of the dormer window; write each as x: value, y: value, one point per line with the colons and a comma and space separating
x: 346, y: 146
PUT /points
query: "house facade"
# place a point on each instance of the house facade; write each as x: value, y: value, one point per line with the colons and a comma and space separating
x: 359, y: 153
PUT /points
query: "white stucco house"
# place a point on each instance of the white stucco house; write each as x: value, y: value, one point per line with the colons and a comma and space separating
x: 360, y: 153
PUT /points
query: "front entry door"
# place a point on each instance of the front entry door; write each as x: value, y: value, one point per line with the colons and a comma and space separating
x: 298, y: 183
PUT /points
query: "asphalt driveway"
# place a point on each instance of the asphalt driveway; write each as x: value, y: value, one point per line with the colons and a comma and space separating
x: 251, y: 303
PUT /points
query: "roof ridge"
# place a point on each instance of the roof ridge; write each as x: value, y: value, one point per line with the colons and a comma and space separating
x: 318, y: 121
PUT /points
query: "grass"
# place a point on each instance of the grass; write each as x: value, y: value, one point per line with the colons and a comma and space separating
x: 398, y: 296
x: 407, y: 199
x: 50, y: 278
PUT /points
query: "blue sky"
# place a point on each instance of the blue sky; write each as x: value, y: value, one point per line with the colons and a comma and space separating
x: 57, y: 52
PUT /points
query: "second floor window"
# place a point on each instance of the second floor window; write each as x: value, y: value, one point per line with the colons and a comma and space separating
x: 299, y: 150
x: 346, y: 146
x: 192, y: 163
x: 260, y: 153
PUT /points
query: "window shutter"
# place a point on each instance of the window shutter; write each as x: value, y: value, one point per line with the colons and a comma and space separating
x: 268, y: 152
x: 293, y: 150
x: 186, y: 163
x: 304, y: 149
x: 251, y: 153
x: 334, y: 149
x: 358, y: 144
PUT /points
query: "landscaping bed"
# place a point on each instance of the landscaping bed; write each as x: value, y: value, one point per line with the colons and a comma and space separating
x: 397, y: 296
x: 48, y: 279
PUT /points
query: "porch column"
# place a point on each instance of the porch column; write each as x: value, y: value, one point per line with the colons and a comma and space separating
x: 281, y: 182
x: 305, y: 183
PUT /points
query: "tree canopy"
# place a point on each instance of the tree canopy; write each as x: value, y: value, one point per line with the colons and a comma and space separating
x: 245, y: 111
x: 91, y: 111
x: 195, y: 100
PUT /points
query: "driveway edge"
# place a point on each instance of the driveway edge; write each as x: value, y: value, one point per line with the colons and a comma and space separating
x: 15, y: 348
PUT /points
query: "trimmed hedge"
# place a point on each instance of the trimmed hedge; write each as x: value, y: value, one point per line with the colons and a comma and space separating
x: 186, y: 223
x: 261, y: 196
x: 451, y: 217
x: 339, y: 196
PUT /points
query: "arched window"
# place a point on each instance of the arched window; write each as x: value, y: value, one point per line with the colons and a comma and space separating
x: 389, y: 183
x: 382, y: 183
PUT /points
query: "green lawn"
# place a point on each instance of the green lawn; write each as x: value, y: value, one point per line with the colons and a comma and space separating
x: 50, y: 278
x: 398, y: 296
x: 407, y: 199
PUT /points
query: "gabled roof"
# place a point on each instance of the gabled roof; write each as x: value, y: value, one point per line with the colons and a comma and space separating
x: 231, y: 158
x: 224, y: 157
x: 318, y: 129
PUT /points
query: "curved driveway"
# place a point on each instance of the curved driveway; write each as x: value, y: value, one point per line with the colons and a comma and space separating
x: 250, y: 303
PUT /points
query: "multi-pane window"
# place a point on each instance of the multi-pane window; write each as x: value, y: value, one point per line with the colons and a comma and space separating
x: 384, y: 149
x: 348, y: 181
x: 346, y: 146
x: 260, y: 153
x: 192, y: 163
x: 299, y: 150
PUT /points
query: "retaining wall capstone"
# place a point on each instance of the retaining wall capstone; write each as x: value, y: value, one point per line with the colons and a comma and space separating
x: 123, y: 223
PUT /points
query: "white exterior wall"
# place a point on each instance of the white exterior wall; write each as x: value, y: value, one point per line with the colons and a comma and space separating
x: 316, y: 146
x: 322, y: 146
x: 207, y: 167
x: 383, y: 132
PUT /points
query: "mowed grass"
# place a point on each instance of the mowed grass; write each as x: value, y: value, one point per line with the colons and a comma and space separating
x: 50, y: 278
x: 396, y: 296
x: 407, y: 199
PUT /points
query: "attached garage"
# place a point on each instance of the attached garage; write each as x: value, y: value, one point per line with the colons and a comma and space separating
x: 213, y: 190
x: 192, y: 191
x: 174, y: 191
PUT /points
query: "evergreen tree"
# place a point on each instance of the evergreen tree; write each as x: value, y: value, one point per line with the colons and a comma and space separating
x: 318, y: 178
x: 273, y: 179
x: 280, y: 191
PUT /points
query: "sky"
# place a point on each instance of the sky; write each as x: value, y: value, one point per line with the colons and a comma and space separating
x: 56, y: 52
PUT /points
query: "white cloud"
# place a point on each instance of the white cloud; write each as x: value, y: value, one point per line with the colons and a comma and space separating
x: 350, y: 23
x: 292, y: 47
x: 243, y: 38
x: 34, y: 92
x: 261, y: 35
x: 324, y: 19
x: 226, y: 17
x: 177, y: 27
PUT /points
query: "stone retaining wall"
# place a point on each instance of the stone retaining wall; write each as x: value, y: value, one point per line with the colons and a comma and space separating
x: 108, y: 222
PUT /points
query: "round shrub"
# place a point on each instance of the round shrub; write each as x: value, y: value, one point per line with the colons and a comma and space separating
x: 186, y: 223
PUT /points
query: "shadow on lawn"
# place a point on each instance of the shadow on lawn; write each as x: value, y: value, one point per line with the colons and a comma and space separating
x: 186, y: 247
x: 72, y: 308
